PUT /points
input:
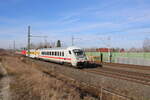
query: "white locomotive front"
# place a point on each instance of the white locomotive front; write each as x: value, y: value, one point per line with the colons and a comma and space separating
x: 77, y: 55
x: 73, y: 55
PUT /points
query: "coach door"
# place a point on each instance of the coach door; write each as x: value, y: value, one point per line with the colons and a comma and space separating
x: 72, y: 57
x: 67, y: 56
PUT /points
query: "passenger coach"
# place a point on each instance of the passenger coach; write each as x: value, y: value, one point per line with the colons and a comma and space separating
x: 73, y: 55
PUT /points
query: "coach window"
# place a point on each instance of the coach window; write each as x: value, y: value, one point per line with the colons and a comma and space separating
x: 49, y: 53
x: 62, y: 53
x: 59, y: 53
x: 69, y: 52
x: 42, y: 53
x: 56, y: 54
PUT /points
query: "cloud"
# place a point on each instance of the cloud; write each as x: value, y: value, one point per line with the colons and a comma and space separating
x: 139, y: 18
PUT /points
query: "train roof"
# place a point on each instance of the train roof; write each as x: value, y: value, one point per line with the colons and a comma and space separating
x: 60, y: 48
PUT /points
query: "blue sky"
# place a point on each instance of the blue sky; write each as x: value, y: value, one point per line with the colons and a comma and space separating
x: 94, y: 23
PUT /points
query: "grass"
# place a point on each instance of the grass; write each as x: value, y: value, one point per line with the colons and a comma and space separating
x: 29, y: 83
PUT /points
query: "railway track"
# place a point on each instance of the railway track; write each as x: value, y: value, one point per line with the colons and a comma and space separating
x: 137, y: 74
x: 127, y: 66
x: 121, y: 74
x: 119, y: 65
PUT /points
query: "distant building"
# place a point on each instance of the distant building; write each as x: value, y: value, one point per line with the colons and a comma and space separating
x: 103, y: 50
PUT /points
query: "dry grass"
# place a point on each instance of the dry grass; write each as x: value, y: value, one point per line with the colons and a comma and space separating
x: 29, y: 83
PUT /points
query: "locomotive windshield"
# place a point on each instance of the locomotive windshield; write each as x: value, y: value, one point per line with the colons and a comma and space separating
x: 78, y: 52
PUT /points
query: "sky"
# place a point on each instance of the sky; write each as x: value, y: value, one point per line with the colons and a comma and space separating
x: 93, y: 23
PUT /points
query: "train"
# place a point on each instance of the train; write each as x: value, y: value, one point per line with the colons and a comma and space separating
x: 72, y: 55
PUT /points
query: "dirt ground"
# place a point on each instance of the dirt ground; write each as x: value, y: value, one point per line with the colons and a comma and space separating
x: 29, y: 83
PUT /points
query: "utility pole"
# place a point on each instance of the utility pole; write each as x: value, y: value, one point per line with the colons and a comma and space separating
x: 29, y: 41
x: 14, y: 46
x: 72, y: 40
x: 9, y: 46
x: 45, y: 39
x: 109, y: 49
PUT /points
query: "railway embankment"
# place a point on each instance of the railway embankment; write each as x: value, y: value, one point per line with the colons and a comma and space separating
x: 128, y: 67
x: 4, y: 83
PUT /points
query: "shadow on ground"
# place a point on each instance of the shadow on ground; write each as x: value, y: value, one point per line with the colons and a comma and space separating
x: 91, y: 65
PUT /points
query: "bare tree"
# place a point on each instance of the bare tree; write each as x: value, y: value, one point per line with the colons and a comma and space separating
x: 133, y: 49
x: 53, y: 44
x: 146, y: 45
